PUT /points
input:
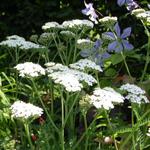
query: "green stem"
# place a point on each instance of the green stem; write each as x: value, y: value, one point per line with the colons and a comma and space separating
x: 62, y: 120
x: 75, y: 51
x: 70, y: 51
x: 133, y: 137
x: 59, y: 53
x: 110, y: 127
x: 85, y: 124
x: 26, y: 126
x: 49, y: 117
x: 97, y: 78
x: 127, y: 68
x: 147, y: 55
x: 71, y: 108
x: 83, y: 135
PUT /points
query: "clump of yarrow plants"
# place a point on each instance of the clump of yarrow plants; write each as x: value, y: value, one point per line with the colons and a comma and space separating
x: 68, y: 89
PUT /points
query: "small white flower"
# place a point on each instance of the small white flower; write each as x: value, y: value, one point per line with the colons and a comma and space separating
x: 24, y: 110
x: 108, y: 20
x: 16, y: 41
x: 105, y: 98
x: 82, y: 64
x: 84, y: 44
x: 137, y: 11
x: 15, y: 37
x: 134, y: 93
x: 69, y: 81
x: 131, y: 88
x: 77, y: 24
x: 59, y: 73
x: 148, y: 133
x: 30, y: 69
x: 52, y: 67
x: 46, y: 37
x: 67, y: 34
x: 51, y: 25
x: 143, y: 15
x: 137, y: 98
x: 49, y: 64
x: 83, y: 77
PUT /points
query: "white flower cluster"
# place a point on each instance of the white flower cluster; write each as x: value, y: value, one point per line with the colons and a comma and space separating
x: 46, y: 37
x: 67, y: 77
x: 24, y: 110
x: 17, y: 41
x: 69, y: 81
x: 145, y: 14
x: 137, y: 11
x: 108, y: 20
x: 53, y: 67
x: 148, y: 133
x: 82, y: 64
x: 134, y: 93
x: 84, y: 44
x: 51, y: 25
x: 30, y: 69
x: 76, y: 23
x: 67, y: 34
x: 83, y: 77
x: 142, y: 14
x: 105, y: 98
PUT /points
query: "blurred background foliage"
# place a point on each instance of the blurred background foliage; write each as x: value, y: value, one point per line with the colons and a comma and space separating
x: 25, y: 17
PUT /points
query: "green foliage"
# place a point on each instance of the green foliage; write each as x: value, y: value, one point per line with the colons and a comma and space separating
x: 70, y: 121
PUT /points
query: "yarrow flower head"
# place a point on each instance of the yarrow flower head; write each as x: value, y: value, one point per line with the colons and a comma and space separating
x: 67, y: 34
x: 52, y: 26
x: 77, y: 24
x: 108, y: 21
x: 71, y: 79
x: 17, y: 41
x: 137, y: 11
x: 97, y: 54
x: 148, y: 133
x: 82, y: 64
x: 22, y: 110
x: 130, y: 4
x: 105, y: 98
x: 29, y: 69
x: 145, y: 16
x: 134, y: 93
x: 68, y: 80
x: 45, y: 37
x: 84, y: 43
x: 119, y: 40
x: 90, y: 11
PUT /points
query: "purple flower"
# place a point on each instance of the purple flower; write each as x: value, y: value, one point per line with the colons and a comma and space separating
x: 130, y: 4
x: 119, y: 40
x: 96, y: 53
x: 90, y: 11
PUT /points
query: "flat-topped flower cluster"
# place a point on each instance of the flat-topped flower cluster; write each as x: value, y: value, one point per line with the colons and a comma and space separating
x: 134, y: 93
x: 72, y: 79
x: 76, y: 24
x: 83, y: 64
x: 105, y: 98
x: 29, y: 69
x: 15, y: 41
x: 22, y: 110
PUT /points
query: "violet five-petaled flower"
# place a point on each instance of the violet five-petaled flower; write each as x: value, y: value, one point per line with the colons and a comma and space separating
x: 96, y: 53
x: 90, y: 11
x: 119, y: 40
x: 130, y: 4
